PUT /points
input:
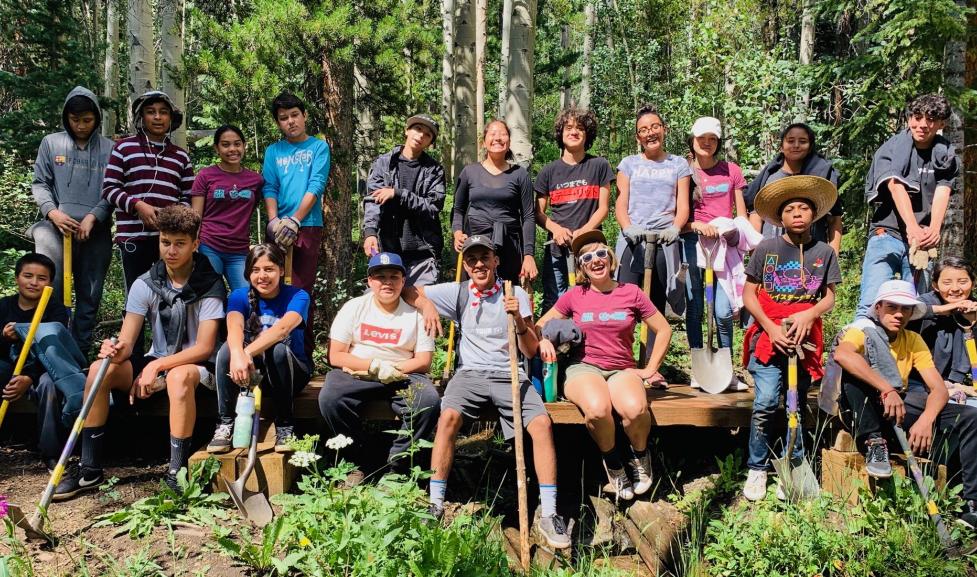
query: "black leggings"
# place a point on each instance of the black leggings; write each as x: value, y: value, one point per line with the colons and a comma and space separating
x: 284, y: 375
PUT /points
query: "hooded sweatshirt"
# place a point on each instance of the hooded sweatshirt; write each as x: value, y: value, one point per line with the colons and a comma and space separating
x: 69, y: 178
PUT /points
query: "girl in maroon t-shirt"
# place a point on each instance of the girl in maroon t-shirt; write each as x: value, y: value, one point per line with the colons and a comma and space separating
x: 225, y: 195
x: 602, y: 378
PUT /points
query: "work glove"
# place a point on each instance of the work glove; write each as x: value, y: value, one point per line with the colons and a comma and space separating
x: 385, y: 371
x: 919, y: 258
x: 669, y: 235
x: 286, y: 232
x: 634, y: 233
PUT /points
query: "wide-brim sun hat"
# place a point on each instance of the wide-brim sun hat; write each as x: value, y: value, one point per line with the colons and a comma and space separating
x: 818, y: 191
x: 585, y: 238
x: 899, y: 292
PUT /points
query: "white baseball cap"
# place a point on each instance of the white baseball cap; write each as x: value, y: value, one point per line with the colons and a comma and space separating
x: 902, y: 293
x: 707, y: 125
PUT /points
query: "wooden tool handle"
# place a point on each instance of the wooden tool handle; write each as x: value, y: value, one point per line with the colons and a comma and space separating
x: 518, y: 429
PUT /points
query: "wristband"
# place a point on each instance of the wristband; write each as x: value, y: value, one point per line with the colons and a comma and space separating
x: 885, y: 394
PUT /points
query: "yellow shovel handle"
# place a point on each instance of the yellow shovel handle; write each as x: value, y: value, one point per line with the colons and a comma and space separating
x: 68, y: 274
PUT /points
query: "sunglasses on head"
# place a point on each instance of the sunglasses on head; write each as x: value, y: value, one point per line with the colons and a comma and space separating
x: 600, y: 253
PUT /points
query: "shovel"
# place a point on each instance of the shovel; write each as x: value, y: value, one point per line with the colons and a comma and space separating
x: 712, y: 369
x: 650, y: 240
x: 798, y: 481
x: 571, y: 267
x: 288, y: 265
x: 28, y: 342
x: 34, y: 527
x: 254, y: 506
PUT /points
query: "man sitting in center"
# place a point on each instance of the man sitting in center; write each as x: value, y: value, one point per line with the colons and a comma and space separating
x: 483, y: 378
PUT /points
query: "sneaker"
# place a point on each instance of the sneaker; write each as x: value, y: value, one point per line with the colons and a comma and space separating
x: 969, y: 516
x: 641, y: 476
x: 436, y: 511
x: 756, y: 485
x: 619, y: 483
x: 221, y: 443
x: 75, y: 482
x: 282, y: 435
x: 737, y: 385
x: 877, y: 458
x: 554, y: 531
x: 171, y: 482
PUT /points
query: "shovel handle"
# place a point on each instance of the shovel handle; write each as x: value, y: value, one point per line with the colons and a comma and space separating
x: 969, y: 344
x: 68, y: 274
x: 288, y: 265
x: 450, y: 357
x: 931, y: 509
x: 25, y: 349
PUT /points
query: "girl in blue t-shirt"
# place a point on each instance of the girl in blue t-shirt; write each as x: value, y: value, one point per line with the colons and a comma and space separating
x: 265, y: 332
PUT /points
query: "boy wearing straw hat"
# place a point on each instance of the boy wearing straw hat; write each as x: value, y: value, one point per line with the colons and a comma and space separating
x: 877, y: 356
x: 790, y: 278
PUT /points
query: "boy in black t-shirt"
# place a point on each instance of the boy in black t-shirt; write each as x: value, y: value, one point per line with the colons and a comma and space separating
x: 908, y: 187
x: 33, y: 272
x: 793, y: 277
x: 577, y: 188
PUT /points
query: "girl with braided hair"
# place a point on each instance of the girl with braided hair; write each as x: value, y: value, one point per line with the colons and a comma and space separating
x: 265, y: 332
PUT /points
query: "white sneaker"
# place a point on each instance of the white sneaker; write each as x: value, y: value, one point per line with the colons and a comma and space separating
x: 619, y: 483
x: 756, y: 485
x: 737, y: 385
x: 641, y: 477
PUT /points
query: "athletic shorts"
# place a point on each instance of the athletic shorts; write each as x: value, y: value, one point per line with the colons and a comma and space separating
x: 580, y: 368
x: 468, y: 392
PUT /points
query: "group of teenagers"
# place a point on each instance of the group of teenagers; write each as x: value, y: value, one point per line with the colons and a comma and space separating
x: 773, y: 244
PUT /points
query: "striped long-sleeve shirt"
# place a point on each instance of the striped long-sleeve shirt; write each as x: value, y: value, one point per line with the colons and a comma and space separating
x: 139, y: 170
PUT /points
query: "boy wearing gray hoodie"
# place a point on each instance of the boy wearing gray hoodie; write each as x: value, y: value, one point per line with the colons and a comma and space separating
x: 67, y: 188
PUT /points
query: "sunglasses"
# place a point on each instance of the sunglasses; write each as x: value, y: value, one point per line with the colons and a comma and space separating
x: 600, y: 253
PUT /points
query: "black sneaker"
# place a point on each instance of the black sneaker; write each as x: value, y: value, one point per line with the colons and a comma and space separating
x: 877, y: 458
x: 75, y: 482
x: 221, y: 443
x: 283, y: 434
x: 171, y: 482
x: 968, y: 518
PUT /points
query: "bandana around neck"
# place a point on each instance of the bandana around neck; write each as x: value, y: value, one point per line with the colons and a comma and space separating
x: 483, y: 295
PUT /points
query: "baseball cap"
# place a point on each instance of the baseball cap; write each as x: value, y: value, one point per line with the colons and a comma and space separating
x: 707, y: 125
x: 383, y: 260
x: 477, y: 240
x: 425, y: 120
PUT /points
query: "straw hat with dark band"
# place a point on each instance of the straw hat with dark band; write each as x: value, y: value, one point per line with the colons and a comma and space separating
x: 585, y: 238
x: 819, y: 191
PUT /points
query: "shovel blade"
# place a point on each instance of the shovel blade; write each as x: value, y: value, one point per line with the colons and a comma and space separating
x: 16, y: 515
x: 799, y: 481
x: 712, y: 369
x: 254, y: 506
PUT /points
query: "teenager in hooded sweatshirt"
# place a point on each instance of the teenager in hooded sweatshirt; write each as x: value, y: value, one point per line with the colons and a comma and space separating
x: 67, y: 188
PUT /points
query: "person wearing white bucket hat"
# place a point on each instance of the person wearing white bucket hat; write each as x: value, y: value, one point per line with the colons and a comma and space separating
x: 877, y: 357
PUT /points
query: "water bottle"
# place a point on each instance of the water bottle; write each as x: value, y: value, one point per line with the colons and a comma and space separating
x: 549, y: 382
x: 243, y: 421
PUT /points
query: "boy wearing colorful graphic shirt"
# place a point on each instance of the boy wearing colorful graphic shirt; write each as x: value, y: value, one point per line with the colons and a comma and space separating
x: 577, y: 186
x: 380, y: 350
x: 296, y: 169
x: 789, y: 277
x: 483, y: 378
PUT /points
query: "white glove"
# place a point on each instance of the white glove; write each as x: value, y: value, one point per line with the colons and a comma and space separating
x: 385, y: 371
x: 634, y: 233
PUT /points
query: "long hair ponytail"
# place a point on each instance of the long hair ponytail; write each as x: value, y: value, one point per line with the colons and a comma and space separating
x: 252, y: 325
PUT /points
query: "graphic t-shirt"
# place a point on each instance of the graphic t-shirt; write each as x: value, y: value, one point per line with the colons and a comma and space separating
x: 270, y: 311
x: 607, y: 321
x: 908, y: 350
x: 484, y: 326
x: 229, y: 200
x: 651, y: 200
x: 373, y: 333
x: 790, y: 276
x: 573, y: 190
x: 293, y: 169
x: 144, y: 302
x: 717, y: 191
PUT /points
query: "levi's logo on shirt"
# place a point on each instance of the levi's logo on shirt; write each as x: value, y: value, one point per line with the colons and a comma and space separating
x: 379, y: 335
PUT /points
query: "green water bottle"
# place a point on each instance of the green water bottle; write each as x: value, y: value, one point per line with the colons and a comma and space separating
x: 243, y: 422
x: 549, y: 381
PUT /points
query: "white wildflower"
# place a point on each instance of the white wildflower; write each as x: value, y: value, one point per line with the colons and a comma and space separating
x: 339, y: 442
x: 303, y: 458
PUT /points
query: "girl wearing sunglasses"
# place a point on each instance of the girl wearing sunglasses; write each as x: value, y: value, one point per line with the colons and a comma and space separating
x: 602, y: 378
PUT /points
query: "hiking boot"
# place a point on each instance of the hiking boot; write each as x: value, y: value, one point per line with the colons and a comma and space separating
x: 75, y: 482
x: 554, y: 531
x: 221, y: 443
x: 282, y: 435
x: 968, y: 518
x: 641, y: 476
x: 877, y: 458
x: 619, y: 483
x: 756, y: 485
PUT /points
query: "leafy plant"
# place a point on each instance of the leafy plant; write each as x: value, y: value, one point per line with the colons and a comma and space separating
x: 192, y: 505
x: 260, y: 555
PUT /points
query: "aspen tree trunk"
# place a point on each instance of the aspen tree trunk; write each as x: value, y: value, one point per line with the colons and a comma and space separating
x: 505, y: 41
x: 519, y: 105
x: 448, y: 87
x: 464, y: 101
x: 590, y: 21
x: 806, y: 56
x: 110, y: 77
x: 364, y: 129
x: 142, y: 53
x: 481, y: 34
x: 970, y: 138
x: 171, y: 41
x: 565, y: 98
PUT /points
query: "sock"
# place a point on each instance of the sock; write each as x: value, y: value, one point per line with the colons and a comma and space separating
x: 92, y: 445
x: 636, y: 454
x: 547, y: 499
x: 612, y: 460
x: 179, y: 453
x: 437, y: 491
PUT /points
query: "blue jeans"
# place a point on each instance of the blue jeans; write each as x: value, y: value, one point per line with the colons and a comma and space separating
x: 769, y: 380
x: 695, y: 291
x: 556, y: 276
x: 885, y: 256
x: 229, y: 264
